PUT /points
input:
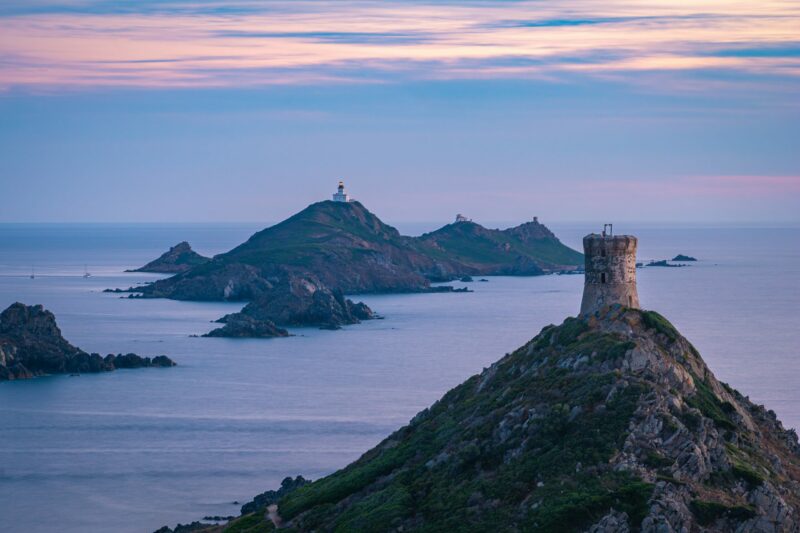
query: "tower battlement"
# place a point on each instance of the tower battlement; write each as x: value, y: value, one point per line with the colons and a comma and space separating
x: 610, y: 271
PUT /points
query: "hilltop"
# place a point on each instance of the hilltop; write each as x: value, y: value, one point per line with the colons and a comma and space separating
x: 178, y: 258
x: 470, y: 249
x: 605, y: 423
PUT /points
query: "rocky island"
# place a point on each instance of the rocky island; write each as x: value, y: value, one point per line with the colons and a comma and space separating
x: 609, y: 422
x: 342, y: 248
x: 663, y: 263
x: 293, y: 301
x: 179, y: 258
x: 31, y: 345
x: 681, y: 257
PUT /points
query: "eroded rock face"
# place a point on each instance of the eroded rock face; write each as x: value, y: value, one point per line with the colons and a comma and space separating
x: 607, y: 423
x: 31, y: 345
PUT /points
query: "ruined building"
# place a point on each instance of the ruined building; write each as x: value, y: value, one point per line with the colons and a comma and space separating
x: 610, y: 271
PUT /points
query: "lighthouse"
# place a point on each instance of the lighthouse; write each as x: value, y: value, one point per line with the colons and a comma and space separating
x: 610, y: 271
x: 340, y: 195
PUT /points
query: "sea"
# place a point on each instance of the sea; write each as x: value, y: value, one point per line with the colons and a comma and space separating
x: 133, y: 450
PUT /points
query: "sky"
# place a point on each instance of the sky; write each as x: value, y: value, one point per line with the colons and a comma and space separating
x: 659, y: 111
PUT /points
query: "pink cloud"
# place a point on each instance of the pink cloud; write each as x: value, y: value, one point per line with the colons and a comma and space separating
x: 307, y: 42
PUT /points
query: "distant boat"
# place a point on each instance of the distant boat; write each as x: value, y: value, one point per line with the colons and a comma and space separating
x: 32, y: 274
x: 86, y: 272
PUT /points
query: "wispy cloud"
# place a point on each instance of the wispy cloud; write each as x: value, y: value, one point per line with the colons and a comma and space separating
x: 203, y: 43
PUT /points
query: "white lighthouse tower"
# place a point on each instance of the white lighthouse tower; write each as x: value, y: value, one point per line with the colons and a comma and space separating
x: 340, y: 195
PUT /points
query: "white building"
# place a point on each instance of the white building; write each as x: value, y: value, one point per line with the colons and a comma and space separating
x: 340, y: 195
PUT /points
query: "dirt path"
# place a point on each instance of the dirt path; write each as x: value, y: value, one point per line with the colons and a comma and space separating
x: 272, y: 514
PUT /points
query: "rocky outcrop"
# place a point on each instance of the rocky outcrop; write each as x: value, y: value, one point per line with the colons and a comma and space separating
x: 681, y: 257
x: 243, y: 326
x: 610, y: 422
x: 179, y: 258
x: 31, y: 345
x: 265, y: 499
x: 293, y: 301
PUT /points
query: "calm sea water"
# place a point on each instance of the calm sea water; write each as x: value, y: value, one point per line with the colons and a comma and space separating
x: 132, y: 450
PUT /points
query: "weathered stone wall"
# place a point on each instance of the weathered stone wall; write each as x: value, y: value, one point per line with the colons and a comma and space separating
x: 610, y: 272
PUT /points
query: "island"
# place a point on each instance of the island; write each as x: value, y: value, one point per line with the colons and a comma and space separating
x: 663, y: 263
x: 681, y: 257
x: 179, y: 258
x: 31, y: 345
x: 340, y: 247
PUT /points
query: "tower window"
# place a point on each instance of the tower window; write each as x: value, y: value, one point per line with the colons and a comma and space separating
x: 603, y: 277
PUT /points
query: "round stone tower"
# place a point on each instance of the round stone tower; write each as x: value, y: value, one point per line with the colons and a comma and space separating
x: 610, y: 271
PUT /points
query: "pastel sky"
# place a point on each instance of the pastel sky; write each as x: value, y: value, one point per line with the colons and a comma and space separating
x: 573, y: 110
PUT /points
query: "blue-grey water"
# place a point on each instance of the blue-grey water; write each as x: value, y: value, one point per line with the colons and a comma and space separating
x: 132, y: 450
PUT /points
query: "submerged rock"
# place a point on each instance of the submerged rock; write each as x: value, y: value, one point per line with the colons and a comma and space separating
x: 31, y: 345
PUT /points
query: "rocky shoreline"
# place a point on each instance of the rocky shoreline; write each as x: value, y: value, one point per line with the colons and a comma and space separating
x: 31, y: 345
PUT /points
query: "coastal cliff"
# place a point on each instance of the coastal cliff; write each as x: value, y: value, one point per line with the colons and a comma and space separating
x: 31, y: 345
x: 606, y: 423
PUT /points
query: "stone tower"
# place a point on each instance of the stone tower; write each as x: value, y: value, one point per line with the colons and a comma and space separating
x: 610, y: 271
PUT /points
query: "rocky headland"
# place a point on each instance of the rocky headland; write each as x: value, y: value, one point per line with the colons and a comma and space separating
x: 31, y: 345
x: 607, y: 423
x: 295, y: 272
x: 179, y: 258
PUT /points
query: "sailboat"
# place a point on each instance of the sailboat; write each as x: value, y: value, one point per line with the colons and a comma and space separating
x: 86, y: 272
x: 32, y: 274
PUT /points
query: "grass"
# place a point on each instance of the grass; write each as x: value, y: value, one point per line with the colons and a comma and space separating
x: 712, y: 407
x: 707, y: 512
x: 251, y: 523
x: 653, y: 320
x: 472, y: 447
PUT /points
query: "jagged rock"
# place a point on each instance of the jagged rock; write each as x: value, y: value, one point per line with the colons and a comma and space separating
x: 179, y: 258
x: 611, y: 422
x: 31, y: 345
x: 613, y: 522
x: 293, y: 301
